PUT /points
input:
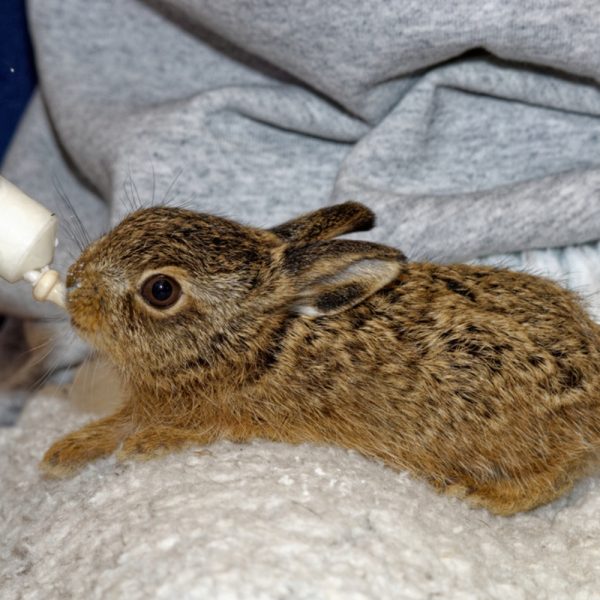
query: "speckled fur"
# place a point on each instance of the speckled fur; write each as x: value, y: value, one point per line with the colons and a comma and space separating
x: 482, y: 381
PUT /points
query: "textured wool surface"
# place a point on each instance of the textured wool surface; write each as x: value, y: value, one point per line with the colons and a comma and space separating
x: 265, y: 521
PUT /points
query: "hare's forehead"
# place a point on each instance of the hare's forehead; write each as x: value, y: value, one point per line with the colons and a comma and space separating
x: 151, y: 227
x: 151, y: 238
x: 119, y: 252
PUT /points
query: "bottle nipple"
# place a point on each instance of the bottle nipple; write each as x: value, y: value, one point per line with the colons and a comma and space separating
x: 47, y: 286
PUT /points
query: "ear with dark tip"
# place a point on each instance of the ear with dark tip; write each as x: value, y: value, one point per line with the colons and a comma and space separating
x: 327, y: 223
x: 333, y: 276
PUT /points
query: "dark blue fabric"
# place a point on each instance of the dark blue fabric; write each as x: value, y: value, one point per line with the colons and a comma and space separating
x: 17, y: 72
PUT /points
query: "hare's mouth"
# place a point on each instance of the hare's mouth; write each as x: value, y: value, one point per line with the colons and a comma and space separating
x: 92, y: 334
x: 85, y: 315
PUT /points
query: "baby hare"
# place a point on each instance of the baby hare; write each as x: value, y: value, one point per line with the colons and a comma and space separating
x: 482, y: 381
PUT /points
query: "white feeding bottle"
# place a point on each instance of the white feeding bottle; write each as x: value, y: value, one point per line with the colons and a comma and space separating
x: 27, y: 242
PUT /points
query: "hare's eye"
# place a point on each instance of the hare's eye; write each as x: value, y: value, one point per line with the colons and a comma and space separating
x: 160, y: 291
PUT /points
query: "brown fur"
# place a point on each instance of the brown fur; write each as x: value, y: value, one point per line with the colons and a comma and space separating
x: 482, y: 381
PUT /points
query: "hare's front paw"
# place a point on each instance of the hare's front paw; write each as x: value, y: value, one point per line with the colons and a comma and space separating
x: 154, y: 441
x: 68, y: 455
x: 98, y: 439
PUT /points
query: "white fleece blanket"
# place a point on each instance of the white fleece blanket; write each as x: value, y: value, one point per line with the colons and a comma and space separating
x: 265, y: 521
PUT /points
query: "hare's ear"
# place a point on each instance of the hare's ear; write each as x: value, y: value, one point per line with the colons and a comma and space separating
x: 332, y: 276
x: 327, y: 223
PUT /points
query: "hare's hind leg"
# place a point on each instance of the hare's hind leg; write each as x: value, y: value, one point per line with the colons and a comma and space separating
x: 95, y: 440
x: 157, y: 440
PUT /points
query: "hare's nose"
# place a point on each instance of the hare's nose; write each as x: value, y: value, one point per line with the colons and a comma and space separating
x: 73, y: 285
x: 74, y: 273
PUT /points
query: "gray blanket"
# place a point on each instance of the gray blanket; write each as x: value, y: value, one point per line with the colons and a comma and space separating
x: 470, y: 128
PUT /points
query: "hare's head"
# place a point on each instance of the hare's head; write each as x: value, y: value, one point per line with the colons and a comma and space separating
x: 170, y: 289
